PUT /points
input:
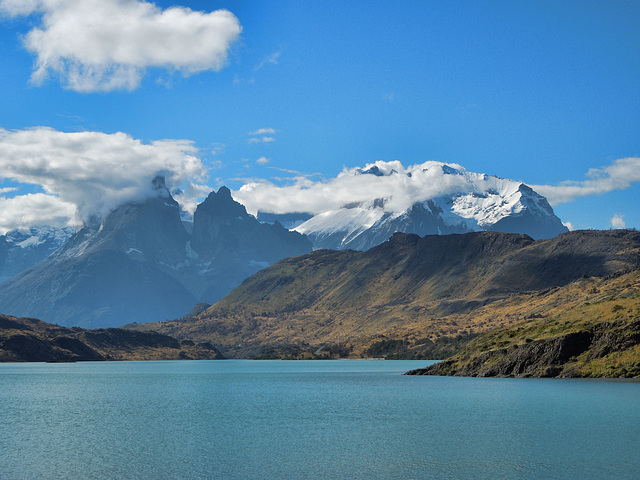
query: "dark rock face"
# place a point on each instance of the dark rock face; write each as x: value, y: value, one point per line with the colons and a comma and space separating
x: 221, y: 225
x: 236, y: 245
x: 545, y: 357
x: 31, y: 340
x: 140, y: 264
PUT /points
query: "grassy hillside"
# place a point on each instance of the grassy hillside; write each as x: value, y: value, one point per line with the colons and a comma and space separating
x: 410, y: 297
x: 31, y: 340
x: 591, y: 328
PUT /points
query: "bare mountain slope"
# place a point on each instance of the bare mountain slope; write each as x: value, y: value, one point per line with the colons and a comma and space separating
x: 408, y: 284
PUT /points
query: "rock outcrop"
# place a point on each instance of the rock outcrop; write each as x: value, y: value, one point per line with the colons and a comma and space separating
x: 31, y: 340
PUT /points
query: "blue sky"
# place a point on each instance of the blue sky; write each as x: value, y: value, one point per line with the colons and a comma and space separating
x: 536, y: 91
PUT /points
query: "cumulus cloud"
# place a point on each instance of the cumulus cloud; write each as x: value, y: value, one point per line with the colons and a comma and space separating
x: 401, y: 187
x: 26, y: 211
x: 95, y: 172
x: 104, y: 45
x: 620, y: 175
x: 263, y: 131
x: 617, y: 221
x: 262, y: 161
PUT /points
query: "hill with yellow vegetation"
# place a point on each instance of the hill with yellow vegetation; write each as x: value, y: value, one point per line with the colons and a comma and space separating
x: 590, y: 328
x: 409, y: 297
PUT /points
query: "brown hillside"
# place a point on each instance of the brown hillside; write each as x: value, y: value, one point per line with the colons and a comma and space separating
x: 32, y: 340
x: 407, y: 289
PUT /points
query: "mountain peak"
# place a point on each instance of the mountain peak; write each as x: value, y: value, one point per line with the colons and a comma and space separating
x: 159, y: 186
x: 222, y: 204
x: 434, y: 198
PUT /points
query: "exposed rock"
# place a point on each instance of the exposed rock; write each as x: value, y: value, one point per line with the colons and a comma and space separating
x: 560, y: 356
x: 31, y: 340
x: 139, y: 264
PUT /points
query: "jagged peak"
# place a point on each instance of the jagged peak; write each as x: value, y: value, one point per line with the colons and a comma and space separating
x: 222, y: 204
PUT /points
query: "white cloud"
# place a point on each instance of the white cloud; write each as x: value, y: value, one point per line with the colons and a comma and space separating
x: 570, y: 226
x: 26, y: 211
x: 94, y: 171
x: 104, y: 45
x: 620, y: 175
x: 262, y: 161
x: 401, y: 189
x: 263, y: 140
x: 263, y: 131
x: 264, y: 134
x: 617, y: 221
x: 191, y: 195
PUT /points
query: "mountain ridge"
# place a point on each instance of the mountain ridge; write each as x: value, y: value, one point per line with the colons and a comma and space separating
x: 408, y: 287
x: 138, y: 264
x: 32, y: 340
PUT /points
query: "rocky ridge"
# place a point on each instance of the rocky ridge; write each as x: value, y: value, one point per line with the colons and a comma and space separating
x: 140, y: 263
x: 408, y: 297
x: 31, y: 340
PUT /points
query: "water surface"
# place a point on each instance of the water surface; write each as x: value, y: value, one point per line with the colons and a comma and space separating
x: 240, y: 419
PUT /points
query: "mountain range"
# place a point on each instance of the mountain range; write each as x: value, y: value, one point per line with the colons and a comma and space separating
x: 475, y: 202
x: 410, y: 289
x: 141, y: 264
x: 21, y: 249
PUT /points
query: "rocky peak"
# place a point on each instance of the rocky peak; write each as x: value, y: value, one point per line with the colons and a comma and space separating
x: 222, y: 204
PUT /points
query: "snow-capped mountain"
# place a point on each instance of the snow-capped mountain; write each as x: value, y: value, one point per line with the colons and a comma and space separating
x: 22, y: 249
x: 140, y: 264
x: 461, y: 202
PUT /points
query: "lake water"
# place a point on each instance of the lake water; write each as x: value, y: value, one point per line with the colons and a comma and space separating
x: 308, y: 420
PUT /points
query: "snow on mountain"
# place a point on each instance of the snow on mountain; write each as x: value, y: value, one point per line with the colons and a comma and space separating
x: 462, y: 202
x: 140, y: 264
x: 21, y: 249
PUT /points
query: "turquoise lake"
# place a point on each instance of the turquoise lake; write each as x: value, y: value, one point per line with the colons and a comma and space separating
x: 237, y: 419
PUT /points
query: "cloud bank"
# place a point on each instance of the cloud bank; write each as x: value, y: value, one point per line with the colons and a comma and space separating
x: 87, y: 174
x: 104, y: 45
x: 400, y: 186
x: 620, y: 175
x: 26, y: 211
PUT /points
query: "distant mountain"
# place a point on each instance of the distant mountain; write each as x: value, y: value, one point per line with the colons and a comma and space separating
x: 31, y: 340
x: 479, y: 202
x: 408, y: 289
x: 140, y: 264
x: 22, y: 249
x: 228, y: 245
